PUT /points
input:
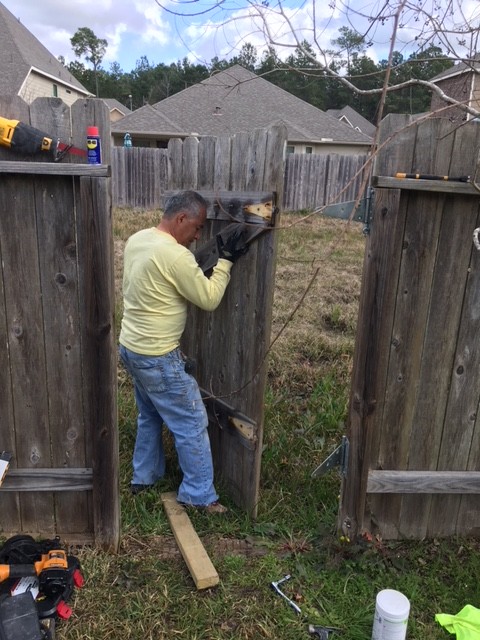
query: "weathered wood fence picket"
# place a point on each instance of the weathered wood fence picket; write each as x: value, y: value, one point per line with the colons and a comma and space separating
x: 57, y: 338
x: 140, y: 176
x: 414, y: 420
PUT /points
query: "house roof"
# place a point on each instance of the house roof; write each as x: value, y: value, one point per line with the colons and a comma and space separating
x: 147, y: 121
x: 113, y: 103
x: 236, y: 100
x: 457, y: 69
x: 353, y: 119
x: 20, y: 52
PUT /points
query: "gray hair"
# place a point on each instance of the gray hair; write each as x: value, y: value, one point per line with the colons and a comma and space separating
x: 189, y: 202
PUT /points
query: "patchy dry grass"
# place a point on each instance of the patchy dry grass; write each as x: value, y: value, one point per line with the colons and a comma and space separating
x: 146, y: 593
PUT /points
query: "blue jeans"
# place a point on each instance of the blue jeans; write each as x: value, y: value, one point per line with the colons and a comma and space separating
x: 165, y: 394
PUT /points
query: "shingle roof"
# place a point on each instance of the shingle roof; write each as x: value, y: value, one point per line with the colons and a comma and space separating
x: 20, y: 51
x: 237, y: 100
x: 147, y: 121
x: 460, y: 67
x: 356, y: 120
x: 113, y: 103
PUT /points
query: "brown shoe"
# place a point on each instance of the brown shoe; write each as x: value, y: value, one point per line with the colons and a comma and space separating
x: 215, y: 507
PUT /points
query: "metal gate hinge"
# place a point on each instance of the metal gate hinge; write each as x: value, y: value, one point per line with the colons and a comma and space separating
x: 339, y: 458
x: 344, y: 210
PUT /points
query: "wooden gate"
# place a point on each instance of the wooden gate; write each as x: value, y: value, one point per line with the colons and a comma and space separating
x: 242, y: 179
x: 57, y: 339
x: 414, y: 424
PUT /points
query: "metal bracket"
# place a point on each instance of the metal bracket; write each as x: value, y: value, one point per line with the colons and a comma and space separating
x: 344, y: 210
x: 339, y: 458
x: 262, y: 209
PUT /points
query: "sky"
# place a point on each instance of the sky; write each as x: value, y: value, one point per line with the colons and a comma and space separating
x: 151, y: 28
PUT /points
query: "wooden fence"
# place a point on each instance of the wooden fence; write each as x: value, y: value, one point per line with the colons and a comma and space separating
x: 140, y: 176
x: 314, y: 180
x: 414, y: 421
x: 57, y: 339
x: 242, y: 178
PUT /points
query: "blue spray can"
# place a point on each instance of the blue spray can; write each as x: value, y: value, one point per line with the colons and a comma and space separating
x: 94, y: 146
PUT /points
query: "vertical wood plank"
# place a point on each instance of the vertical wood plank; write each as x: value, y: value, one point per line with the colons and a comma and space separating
x: 91, y: 112
x: 175, y: 164
x: 52, y: 116
x: 371, y: 357
x: 190, y: 163
x: 206, y: 163
x: 59, y: 283
x: 96, y: 289
x: 9, y: 502
x: 223, y: 161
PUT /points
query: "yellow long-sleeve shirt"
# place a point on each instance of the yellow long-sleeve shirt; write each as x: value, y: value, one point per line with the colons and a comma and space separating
x: 159, y: 277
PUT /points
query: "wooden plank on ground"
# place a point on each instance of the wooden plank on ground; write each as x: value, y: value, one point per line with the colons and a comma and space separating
x: 199, y: 564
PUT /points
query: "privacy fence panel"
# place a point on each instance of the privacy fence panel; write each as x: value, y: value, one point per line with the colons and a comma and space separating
x: 230, y: 344
x: 139, y: 174
x: 414, y: 425
x: 312, y: 180
x: 58, y: 379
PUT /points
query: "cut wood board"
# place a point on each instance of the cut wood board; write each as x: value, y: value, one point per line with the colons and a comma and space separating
x: 199, y: 564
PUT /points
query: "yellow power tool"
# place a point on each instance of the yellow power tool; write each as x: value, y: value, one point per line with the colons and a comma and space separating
x: 23, y: 138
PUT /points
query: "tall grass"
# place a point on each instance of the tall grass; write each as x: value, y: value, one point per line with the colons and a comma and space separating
x: 146, y: 592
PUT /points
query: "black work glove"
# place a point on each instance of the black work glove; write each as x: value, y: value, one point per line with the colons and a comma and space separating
x: 234, y: 246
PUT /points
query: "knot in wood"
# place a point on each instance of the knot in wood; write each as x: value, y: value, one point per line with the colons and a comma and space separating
x: 104, y: 331
x: 72, y: 434
x: 60, y: 278
x: 70, y: 250
x: 17, y: 330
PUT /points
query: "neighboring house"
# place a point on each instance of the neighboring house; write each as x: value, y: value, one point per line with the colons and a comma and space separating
x: 28, y: 69
x: 461, y: 82
x: 116, y: 108
x: 353, y: 119
x: 237, y: 100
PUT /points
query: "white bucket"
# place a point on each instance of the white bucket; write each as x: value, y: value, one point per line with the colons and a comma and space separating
x: 391, y: 615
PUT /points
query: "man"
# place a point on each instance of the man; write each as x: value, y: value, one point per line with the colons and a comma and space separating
x: 160, y: 276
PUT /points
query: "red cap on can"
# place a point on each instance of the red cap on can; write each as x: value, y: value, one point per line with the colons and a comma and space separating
x: 92, y: 131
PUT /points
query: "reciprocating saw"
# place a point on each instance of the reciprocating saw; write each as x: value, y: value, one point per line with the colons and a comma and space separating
x: 23, y: 138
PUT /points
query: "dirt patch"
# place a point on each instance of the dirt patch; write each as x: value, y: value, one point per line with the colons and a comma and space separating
x: 165, y: 547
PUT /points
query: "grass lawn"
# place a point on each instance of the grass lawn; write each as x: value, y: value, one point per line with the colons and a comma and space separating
x: 146, y: 592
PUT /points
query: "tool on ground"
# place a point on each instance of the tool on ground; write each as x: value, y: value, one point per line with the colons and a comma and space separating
x: 44, y: 570
x: 275, y: 586
x: 19, y: 619
x: 49, y: 563
x: 24, y: 138
x: 427, y: 176
x: 321, y: 632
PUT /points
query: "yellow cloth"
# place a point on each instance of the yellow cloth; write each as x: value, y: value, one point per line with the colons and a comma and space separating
x: 466, y: 624
x: 159, y: 277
